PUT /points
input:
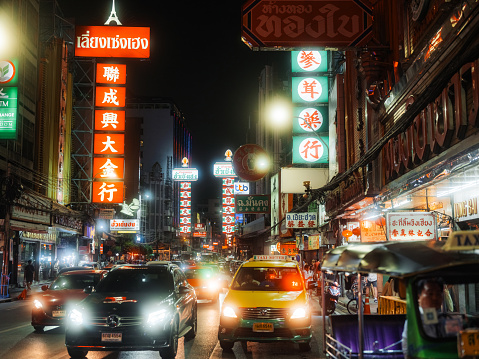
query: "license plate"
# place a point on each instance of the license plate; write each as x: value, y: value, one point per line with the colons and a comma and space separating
x: 111, y: 337
x: 263, y: 327
x: 58, y: 313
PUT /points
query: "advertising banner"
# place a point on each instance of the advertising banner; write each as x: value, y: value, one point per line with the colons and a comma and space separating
x: 109, y: 120
x: 257, y: 203
x: 124, y: 224
x: 312, y: 89
x: 310, y: 149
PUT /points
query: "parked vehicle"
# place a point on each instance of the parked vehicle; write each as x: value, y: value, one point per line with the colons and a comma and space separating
x: 453, y: 264
x: 332, y: 292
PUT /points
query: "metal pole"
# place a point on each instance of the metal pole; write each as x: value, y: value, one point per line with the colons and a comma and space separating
x: 360, y: 316
x: 323, y: 304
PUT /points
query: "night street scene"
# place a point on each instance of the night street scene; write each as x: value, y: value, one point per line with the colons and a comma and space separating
x: 241, y: 179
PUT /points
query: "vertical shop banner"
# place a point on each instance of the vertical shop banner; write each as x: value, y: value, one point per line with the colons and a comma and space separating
x: 310, y: 119
x: 110, y: 120
x: 228, y: 206
x: 112, y: 74
x: 107, y: 96
x: 312, y: 89
x: 108, y: 192
x: 309, y: 61
x: 309, y: 149
x: 185, y: 208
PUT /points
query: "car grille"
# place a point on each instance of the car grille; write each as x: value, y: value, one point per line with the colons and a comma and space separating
x: 278, y: 332
x: 124, y: 321
x: 264, y: 313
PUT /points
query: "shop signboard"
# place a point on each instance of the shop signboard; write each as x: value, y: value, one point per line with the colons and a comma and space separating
x: 411, y: 226
x: 310, y: 119
x: 312, y: 89
x: 107, y: 192
x: 107, y: 96
x: 113, y: 74
x: 465, y: 205
x: 372, y: 232
x: 309, y: 61
x: 306, y: 220
x: 185, y: 174
x: 314, y: 241
x: 8, y: 112
x: 31, y: 208
x: 310, y: 149
x: 223, y: 169
x: 124, y: 224
x: 112, y: 41
x: 109, y: 144
x: 258, y: 203
x: 110, y: 120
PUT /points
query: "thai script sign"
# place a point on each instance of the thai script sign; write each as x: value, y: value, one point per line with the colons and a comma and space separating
x: 112, y: 41
x: 124, y: 224
x: 258, y: 203
x: 411, y: 226
x: 185, y: 174
x: 8, y: 112
x: 302, y: 220
x: 32, y: 208
x: 44, y: 237
x: 298, y: 24
x: 465, y: 206
x: 67, y: 221
x: 223, y: 169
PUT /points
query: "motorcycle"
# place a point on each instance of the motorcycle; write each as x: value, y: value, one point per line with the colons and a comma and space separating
x: 332, y: 292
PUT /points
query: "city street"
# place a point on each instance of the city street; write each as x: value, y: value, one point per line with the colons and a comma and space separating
x: 18, y: 339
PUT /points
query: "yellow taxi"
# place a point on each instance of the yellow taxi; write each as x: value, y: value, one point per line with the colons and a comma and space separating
x: 267, y: 301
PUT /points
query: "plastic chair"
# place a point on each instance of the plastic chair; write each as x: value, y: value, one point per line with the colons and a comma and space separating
x: 5, y: 285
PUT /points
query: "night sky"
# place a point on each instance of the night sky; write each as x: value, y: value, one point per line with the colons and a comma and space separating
x: 199, y: 61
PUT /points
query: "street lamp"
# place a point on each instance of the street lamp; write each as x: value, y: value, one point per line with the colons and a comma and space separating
x: 8, y: 36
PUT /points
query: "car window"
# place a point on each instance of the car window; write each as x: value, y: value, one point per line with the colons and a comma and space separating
x: 138, y: 280
x: 268, y: 279
x: 202, y: 273
x: 75, y: 281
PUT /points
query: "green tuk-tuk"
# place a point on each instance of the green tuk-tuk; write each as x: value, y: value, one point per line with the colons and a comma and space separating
x: 449, y: 330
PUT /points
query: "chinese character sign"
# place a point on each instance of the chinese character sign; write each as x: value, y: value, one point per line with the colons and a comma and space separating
x: 109, y: 120
x: 228, y: 206
x: 411, y: 226
x: 309, y: 61
x: 310, y: 119
x: 108, y: 168
x: 302, y: 220
x: 107, y: 192
x: 114, y: 74
x: 310, y: 89
x: 310, y: 149
x: 110, y: 96
x: 185, y: 207
x: 109, y: 144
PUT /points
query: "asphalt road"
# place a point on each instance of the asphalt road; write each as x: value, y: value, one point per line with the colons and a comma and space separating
x: 18, y: 339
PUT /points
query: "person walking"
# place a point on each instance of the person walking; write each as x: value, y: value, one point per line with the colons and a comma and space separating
x: 373, y: 281
x: 29, y: 274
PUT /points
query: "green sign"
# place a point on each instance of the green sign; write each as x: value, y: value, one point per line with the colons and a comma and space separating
x: 312, y: 89
x: 309, y: 61
x: 8, y: 73
x: 252, y: 203
x: 310, y: 119
x: 310, y: 149
x: 8, y: 113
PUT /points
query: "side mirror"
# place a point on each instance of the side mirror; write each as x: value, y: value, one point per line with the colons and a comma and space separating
x: 88, y: 290
x: 44, y: 287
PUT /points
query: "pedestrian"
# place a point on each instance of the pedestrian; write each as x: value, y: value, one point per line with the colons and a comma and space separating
x: 29, y: 274
x: 373, y: 281
x: 308, y: 277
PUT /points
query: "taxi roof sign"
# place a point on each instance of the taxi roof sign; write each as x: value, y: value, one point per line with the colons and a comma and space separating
x: 462, y: 241
x: 273, y: 257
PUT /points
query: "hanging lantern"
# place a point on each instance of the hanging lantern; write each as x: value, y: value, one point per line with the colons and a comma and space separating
x: 347, y: 233
x: 357, y: 231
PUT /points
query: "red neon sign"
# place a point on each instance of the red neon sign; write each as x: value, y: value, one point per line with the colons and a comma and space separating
x: 109, y: 120
x: 110, y: 96
x: 112, y: 74
x: 112, y: 41
x: 109, y: 144
x: 108, y: 168
x: 107, y: 192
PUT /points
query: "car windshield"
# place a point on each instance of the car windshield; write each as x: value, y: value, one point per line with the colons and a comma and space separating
x: 268, y: 279
x: 75, y: 281
x: 149, y: 279
x: 200, y: 273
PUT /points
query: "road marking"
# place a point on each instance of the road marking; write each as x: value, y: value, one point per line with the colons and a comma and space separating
x: 20, y: 326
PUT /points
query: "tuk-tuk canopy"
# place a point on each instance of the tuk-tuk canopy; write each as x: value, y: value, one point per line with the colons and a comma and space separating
x: 398, y: 258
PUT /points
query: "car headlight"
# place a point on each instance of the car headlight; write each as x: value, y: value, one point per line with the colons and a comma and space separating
x: 229, y: 312
x: 156, y: 317
x: 37, y: 304
x: 300, y: 313
x: 76, y: 317
x: 213, y: 285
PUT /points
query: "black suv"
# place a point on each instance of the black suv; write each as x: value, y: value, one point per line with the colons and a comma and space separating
x: 134, y: 308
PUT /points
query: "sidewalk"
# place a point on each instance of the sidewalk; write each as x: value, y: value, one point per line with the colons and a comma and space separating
x: 14, y: 292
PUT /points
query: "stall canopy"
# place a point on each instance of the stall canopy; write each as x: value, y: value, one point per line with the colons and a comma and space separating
x: 399, y: 259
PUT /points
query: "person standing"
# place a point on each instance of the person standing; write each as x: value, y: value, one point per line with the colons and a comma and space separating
x: 29, y: 274
x: 373, y: 281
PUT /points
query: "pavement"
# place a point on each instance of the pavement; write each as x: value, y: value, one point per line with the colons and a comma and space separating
x: 14, y: 292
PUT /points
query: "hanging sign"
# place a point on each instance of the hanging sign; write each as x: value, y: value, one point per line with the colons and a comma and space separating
x: 309, y: 61
x: 310, y: 149
x: 302, y: 220
x: 310, y: 89
x: 110, y: 120
x: 310, y: 119
x: 114, y: 74
x: 411, y: 226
